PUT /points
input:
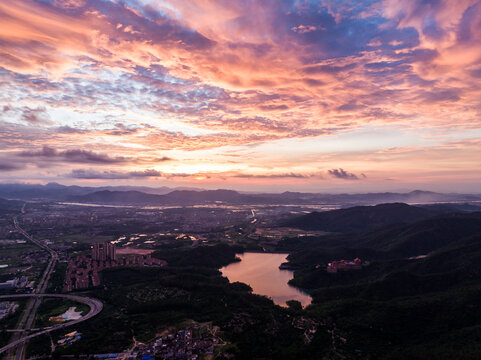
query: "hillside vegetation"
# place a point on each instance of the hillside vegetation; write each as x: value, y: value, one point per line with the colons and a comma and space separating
x: 417, y: 295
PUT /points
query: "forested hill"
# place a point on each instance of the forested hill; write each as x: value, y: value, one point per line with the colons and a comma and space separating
x: 363, y: 218
x: 414, y: 298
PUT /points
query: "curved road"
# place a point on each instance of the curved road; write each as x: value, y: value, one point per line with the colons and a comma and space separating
x: 31, y: 310
x: 94, y: 304
x: 29, y: 314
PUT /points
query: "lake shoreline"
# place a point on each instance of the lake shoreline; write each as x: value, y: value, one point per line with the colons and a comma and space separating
x: 261, y: 271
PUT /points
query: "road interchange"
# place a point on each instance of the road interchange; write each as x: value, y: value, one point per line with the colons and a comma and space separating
x: 29, y: 314
x: 94, y: 304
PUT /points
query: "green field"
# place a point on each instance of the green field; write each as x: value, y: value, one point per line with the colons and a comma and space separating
x: 54, y: 307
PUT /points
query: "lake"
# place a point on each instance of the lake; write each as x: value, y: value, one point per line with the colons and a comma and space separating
x: 261, y: 272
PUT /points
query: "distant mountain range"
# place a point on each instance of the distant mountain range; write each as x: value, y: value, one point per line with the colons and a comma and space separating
x: 131, y: 195
x: 55, y: 191
x: 181, y: 197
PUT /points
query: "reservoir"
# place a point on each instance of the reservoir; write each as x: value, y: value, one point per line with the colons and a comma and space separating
x: 261, y: 272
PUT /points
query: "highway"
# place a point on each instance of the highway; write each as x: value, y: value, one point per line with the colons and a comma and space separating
x: 30, y: 312
x: 94, y: 304
x: 28, y: 317
x: 36, y: 242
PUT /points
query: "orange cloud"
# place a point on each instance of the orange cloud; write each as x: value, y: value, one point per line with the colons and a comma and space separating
x: 202, y: 75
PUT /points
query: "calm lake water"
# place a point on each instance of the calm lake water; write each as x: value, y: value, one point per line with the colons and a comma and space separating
x: 261, y: 272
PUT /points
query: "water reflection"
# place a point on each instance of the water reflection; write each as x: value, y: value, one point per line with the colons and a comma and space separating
x: 261, y: 271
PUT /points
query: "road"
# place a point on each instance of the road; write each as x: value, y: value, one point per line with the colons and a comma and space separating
x: 28, y: 316
x: 52, y: 252
x: 94, y: 304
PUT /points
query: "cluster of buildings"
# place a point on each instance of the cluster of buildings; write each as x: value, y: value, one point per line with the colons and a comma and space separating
x: 307, y: 325
x: 183, y: 345
x: 65, y: 216
x: 344, y: 265
x: 69, y: 338
x: 103, y: 252
x: 83, y: 272
x: 7, y: 308
x: 79, y: 273
x: 15, y: 283
x: 35, y: 257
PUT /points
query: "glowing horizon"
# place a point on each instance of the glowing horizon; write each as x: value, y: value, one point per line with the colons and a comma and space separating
x: 274, y: 95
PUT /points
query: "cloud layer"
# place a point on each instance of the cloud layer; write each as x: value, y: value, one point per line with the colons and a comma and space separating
x: 132, y: 84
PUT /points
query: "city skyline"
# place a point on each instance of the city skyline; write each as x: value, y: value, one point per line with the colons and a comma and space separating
x: 253, y: 95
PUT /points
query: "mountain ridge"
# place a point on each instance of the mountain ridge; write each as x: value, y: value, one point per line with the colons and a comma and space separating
x: 166, y: 195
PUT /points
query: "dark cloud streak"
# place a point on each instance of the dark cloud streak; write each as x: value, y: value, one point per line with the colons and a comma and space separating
x: 342, y: 174
x: 112, y: 175
x: 74, y: 156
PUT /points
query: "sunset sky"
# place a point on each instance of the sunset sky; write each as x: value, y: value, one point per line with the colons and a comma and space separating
x: 266, y: 95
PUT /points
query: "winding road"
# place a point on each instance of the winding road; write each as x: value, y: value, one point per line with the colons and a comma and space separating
x: 28, y: 316
x: 94, y: 304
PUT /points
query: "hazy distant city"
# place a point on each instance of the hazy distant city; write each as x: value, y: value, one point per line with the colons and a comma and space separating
x: 220, y: 275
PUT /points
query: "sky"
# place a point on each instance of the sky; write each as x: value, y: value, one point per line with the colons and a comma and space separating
x: 266, y: 95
